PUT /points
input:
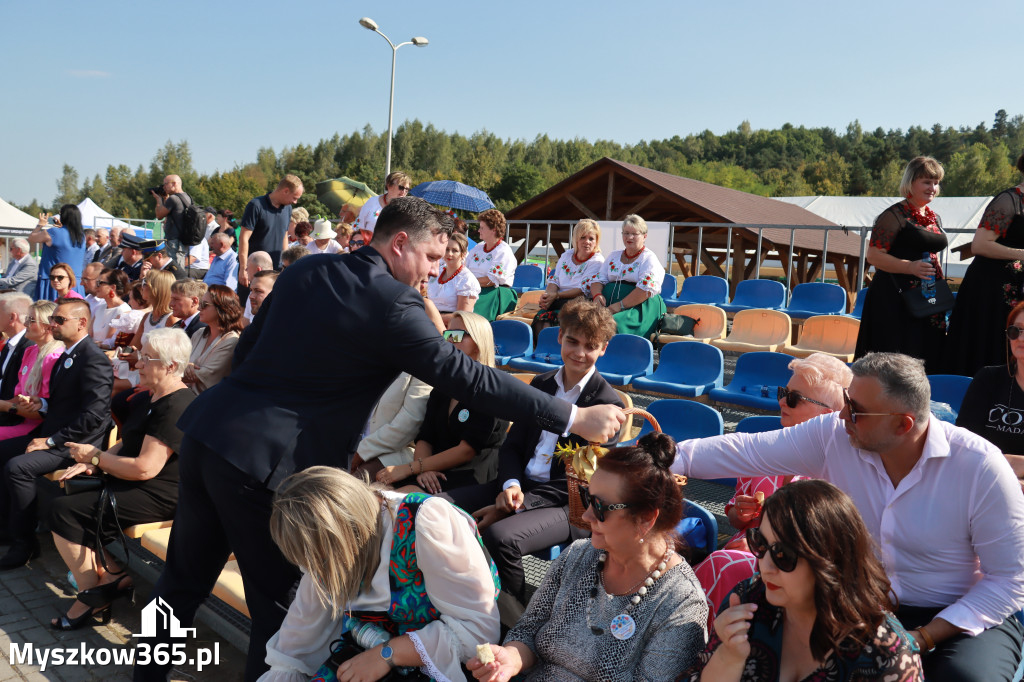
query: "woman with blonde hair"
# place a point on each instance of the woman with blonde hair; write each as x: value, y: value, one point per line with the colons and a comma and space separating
x: 578, y: 265
x: 156, y: 292
x: 458, y: 443
x: 36, y: 366
x: 406, y: 573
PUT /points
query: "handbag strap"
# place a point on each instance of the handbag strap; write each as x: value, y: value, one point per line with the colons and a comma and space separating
x: 107, y: 499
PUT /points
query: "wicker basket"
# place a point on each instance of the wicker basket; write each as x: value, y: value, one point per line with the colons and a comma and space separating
x: 576, y: 508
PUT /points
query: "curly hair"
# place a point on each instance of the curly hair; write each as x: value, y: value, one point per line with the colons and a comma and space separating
x: 495, y: 219
x: 226, y: 305
x: 820, y: 523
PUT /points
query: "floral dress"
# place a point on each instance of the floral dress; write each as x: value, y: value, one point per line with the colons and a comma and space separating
x: 620, y: 279
x: 499, y: 265
x: 990, y: 289
x: 570, y: 274
x: 886, y: 325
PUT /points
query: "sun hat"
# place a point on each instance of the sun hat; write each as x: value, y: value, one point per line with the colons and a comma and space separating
x: 322, y: 230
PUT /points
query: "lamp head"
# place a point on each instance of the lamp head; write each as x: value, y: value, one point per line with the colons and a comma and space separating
x: 420, y: 41
x: 367, y: 22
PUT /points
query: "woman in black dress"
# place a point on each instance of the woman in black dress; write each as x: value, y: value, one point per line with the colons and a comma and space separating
x: 993, y: 284
x: 904, y: 245
x: 140, y: 477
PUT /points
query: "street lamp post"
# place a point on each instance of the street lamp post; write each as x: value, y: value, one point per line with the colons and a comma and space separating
x: 419, y: 41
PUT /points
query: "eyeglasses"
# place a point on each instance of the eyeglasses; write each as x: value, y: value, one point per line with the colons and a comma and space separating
x: 30, y: 320
x: 855, y: 415
x: 1013, y: 333
x: 58, y: 278
x: 783, y: 557
x: 147, y: 358
x: 103, y: 282
x: 597, y: 504
x: 455, y: 335
x: 793, y: 398
x: 204, y: 304
x: 632, y: 234
x: 59, y: 320
x: 400, y: 188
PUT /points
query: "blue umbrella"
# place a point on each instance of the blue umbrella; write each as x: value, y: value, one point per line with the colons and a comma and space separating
x: 453, y: 195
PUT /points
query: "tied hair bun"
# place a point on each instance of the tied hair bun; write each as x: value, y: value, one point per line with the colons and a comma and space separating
x: 661, y: 447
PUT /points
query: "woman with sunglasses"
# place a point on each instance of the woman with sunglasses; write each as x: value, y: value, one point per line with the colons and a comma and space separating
x: 213, y: 347
x: 993, y: 406
x: 621, y: 605
x: 34, y: 374
x: 819, y: 609
x: 458, y: 443
x: 62, y: 281
x: 815, y: 388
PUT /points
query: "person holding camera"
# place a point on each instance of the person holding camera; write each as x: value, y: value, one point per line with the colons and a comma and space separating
x: 171, y: 202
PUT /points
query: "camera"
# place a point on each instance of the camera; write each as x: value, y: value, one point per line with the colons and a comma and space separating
x: 159, y: 191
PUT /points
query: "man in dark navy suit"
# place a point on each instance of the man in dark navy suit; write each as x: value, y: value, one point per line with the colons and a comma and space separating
x: 272, y: 416
x: 185, y: 297
x: 78, y: 411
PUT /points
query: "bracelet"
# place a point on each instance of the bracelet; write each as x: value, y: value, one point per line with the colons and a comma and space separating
x: 928, y: 641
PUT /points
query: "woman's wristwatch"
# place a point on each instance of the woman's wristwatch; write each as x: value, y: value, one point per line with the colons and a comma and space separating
x: 386, y: 652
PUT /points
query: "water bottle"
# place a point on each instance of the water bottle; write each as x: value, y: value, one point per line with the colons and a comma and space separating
x: 928, y: 283
x: 368, y: 635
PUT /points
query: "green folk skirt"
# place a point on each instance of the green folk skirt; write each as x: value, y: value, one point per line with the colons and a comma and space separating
x: 494, y: 301
x: 641, y: 320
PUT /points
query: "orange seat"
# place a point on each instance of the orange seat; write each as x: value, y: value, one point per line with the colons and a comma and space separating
x: 527, y: 306
x: 757, y: 329
x: 525, y: 377
x: 711, y: 323
x: 834, y: 335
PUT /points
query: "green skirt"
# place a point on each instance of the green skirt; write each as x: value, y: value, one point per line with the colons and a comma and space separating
x: 641, y: 320
x: 494, y: 301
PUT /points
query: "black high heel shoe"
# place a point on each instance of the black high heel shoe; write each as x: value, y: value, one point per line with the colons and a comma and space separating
x: 101, y: 595
x: 103, y: 615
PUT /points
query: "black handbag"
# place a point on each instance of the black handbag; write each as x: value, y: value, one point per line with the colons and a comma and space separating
x: 677, y: 325
x: 919, y: 306
x: 81, y: 484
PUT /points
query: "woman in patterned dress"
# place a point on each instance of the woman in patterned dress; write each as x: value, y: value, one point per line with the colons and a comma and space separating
x: 455, y: 288
x: 905, y: 242
x: 494, y: 265
x: 582, y: 263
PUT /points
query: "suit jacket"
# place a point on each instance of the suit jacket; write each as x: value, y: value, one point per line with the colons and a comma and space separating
x: 10, y: 377
x: 174, y: 269
x: 23, y: 277
x: 108, y: 254
x: 194, y: 326
x: 522, y: 439
x: 117, y: 263
x: 396, y: 420
x: 78, y: 409
x: 272, y: 416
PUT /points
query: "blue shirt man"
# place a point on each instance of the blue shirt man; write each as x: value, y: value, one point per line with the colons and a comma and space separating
x: 224, y: 268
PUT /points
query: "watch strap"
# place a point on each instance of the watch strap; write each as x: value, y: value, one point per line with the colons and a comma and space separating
x: 386, y: 652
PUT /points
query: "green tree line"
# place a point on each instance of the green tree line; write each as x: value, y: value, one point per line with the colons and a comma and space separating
x: 789, y: 161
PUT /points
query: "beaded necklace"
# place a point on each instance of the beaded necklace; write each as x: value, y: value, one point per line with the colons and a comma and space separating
x: 623, y: 626
x: 581, y: 262
x: 631, y: 258
x: 486, y: 250
x: 454, y: 275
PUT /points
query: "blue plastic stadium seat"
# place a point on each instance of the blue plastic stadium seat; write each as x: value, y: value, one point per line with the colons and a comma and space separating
x: 756, y: 380
x: 512, y: 339
x: 759, y: 424
x: 528, y: 278
x: 858, y: 305
x: 683, y: 419
x: 669, y: 287
x: 687, y: 369
x: 816, y: 298
x: 949, y: 389
x: 699, y: 529
x: 545, y: 357
x: 702, y: 289
x: 626, y: 358
x: 756, y: 293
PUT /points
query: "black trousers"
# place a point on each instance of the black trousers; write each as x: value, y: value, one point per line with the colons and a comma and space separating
x: 222, y: 510
x: 992, y: 656
x: 18, y: 493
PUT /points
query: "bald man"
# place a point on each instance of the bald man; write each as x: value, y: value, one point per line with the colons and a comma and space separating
x: 170, y: 208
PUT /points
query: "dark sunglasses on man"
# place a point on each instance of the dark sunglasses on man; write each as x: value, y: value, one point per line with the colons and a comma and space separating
x: 783, y: 557
x: 793, y: 398
x: 597, y: 505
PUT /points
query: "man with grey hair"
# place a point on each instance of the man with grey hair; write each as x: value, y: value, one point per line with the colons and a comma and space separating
x: 224, y: 268
x: 110, y: 246
x: 942, y: 504
x: 22, y: 271
x: 92, y: 246
x: 258, y: 262
x: 14, y: 309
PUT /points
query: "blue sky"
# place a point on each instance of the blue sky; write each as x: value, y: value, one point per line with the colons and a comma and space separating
x: 111, y: 81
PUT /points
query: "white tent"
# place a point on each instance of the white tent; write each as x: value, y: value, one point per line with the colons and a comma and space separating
x: 960, y: 217
x: 95, y: 217
x: 15, y: 218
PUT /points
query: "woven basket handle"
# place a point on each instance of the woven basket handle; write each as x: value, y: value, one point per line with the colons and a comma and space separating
x: 630, y: 411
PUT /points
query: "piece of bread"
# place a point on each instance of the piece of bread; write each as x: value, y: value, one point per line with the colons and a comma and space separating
x: 759, y: 496
x: 484, y: 653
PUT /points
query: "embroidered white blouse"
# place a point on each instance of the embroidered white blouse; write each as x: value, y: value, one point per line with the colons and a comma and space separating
x: 445, y: 294
x: 458, y: 582
x: 568, y: 274
x: 499, y: 264
x: 646, y: 271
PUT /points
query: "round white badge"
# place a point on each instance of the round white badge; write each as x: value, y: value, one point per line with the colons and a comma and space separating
x: 24, y: 370
x: 68, y: 363
x: 623, y: 626
x: 463, y: 415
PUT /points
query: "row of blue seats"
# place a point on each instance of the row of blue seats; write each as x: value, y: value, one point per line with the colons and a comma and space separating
x: 807, y: 300
x: 687, y: 369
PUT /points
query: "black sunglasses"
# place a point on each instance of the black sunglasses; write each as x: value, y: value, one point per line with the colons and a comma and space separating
x: 59, y: 320
x: 1013, y: 333
x: 455, y: 335
x: 793, y: 398
x: 855, y: 415
x: 783, y: 557
x: 597, y: 505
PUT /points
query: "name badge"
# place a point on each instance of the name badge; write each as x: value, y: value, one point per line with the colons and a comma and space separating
x: 463, y: 415
x: 68, y: 363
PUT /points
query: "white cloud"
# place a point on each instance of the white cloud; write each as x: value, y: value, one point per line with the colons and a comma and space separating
x: 88, y: 73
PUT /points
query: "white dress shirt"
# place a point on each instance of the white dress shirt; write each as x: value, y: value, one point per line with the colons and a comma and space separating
x: 951, y: 534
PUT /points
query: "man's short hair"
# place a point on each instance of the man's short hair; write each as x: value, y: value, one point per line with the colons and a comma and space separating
x: 17, y: 303
x: 21, y: 244
x: 193, y: 288
x: 589, y: 319
x: 95, y: 267
x: 903, y: 380
x: 261, y: 259
x: 292, y: 182
x: 78, y: 307
x: 293, y: 253
x: 119, y: 278
x: 89, y: 232
x: 221, y: 237
x: 411, y: 215
x: 272, y: 275
x: 102, y: 230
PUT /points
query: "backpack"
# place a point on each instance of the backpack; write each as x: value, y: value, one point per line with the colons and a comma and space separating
x: 192, y: 229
